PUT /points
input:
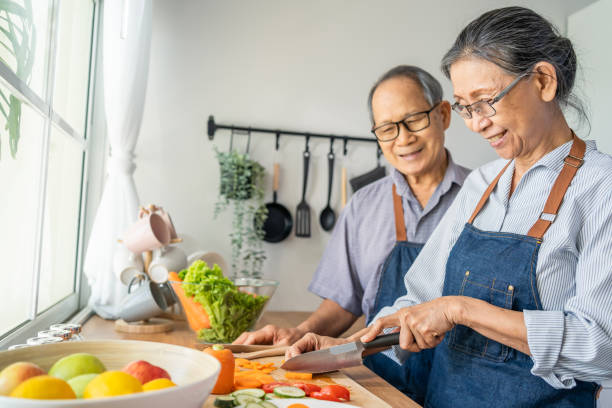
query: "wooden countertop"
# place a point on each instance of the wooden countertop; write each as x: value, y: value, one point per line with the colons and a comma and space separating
x: 98, y: 328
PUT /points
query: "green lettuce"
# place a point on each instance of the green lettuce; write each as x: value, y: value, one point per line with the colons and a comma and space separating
x: 230, y: 311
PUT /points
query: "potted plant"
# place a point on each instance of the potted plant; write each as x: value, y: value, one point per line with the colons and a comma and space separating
x: 241, y: 188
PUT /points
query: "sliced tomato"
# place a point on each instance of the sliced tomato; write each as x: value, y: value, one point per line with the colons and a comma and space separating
x: 332, y: 392
x: 269, y: 387
x: 307, y: 388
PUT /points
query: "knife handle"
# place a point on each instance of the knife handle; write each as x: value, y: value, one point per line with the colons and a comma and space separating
x: 385, y: 340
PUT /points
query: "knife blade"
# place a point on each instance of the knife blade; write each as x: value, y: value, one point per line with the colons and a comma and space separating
x: 337, y: 357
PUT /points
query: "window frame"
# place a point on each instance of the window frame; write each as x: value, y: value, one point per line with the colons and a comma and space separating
x: 73, y: 304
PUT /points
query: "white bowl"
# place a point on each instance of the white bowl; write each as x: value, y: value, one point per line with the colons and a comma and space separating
x: 194, y: 372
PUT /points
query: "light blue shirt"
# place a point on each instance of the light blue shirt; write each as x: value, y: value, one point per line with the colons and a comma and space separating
x: 571, y: 338
x: 351, y: 266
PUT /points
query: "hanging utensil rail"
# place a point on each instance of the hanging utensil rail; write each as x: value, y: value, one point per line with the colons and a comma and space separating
x: 213, y: 127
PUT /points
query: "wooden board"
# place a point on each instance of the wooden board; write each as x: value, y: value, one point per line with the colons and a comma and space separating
x: 149, y: 326
x: 359, y: 395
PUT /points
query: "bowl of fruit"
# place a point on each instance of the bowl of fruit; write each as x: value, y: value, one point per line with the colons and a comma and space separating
x: 110, y: 374
x: 217, y: 308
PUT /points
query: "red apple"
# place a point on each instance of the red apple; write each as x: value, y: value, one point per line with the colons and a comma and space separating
x: 145, y: 371
x: 15, y: 374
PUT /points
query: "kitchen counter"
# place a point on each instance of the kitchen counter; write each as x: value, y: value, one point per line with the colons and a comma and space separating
x: 98, y: 328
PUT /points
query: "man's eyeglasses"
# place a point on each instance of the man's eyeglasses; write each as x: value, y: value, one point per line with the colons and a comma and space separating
x: 485, y: 108
x: 413, y: 123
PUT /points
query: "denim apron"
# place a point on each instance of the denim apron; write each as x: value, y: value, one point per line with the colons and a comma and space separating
x: 471, y: 370
x: 410, y: 377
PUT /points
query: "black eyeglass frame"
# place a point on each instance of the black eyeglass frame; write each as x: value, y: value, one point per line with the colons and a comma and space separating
x: 403, y: 122
x: 465, y: 111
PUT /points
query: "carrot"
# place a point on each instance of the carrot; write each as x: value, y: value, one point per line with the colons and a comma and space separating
x: 298, y: 376
x: 241, y: 383
x: 225, y: 381
x: 297, y: 406
x: 196, y: 315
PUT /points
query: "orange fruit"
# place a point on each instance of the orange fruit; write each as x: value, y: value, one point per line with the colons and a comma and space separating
x: 110, y: 384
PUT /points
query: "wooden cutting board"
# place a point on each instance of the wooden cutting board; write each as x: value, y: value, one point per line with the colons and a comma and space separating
x: 359, y: 395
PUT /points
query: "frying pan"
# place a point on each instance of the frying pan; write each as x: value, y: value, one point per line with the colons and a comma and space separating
x: 279, y: 223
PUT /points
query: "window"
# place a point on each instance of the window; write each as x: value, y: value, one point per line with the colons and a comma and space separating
x: 46, y: 49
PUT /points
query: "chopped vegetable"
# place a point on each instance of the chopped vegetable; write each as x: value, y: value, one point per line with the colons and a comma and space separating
x: 225, y: 381
x: 332, y: 393
x: 225, y: 401
x: 268, y: 404
x: 308, y: 388
x: 298, y: 406
x: 244, y: 399
x: 268, y: 388
x: 252, y: 392
x: 229, y: 310
x: 289, y: 392
x: 298, y: 376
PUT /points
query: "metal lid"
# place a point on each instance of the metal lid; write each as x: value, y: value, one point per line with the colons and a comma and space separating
x: 34, y: 341
x: 73, y: 327
x: 64, y: 334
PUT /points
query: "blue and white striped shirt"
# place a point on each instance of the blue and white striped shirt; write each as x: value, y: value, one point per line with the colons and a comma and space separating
x: 571, y: 338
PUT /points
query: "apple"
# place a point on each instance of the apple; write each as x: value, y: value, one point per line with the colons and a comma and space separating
x: 75, y: 365
x: 79, y: 383
x: 145, y: 371
x: 15, y: 374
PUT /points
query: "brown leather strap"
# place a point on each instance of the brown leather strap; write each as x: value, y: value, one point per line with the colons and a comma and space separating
x: 571, y: 164
x: 487, y: 193
x: 398, y: 210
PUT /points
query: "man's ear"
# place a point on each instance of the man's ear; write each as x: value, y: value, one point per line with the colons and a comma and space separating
x: 545, y: 78
x: 445, y: 113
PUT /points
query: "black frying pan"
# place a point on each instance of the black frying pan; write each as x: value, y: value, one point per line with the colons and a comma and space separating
x: 279, y: 223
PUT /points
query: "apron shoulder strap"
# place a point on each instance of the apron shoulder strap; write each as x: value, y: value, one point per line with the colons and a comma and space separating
x: 398, y: 210
x: 487, y: 193
x: 571, y: 164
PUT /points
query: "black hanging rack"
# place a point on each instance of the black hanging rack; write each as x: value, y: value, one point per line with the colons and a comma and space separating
x: 213, y: 127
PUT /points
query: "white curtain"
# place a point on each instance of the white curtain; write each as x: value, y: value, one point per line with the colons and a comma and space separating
x: 126, y: 44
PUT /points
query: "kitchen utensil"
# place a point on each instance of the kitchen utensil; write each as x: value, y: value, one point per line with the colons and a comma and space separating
x: 327, y: 219
x: 166, y: 259
x: 144, y: 302
x: 194, y: 372
x: 149, y: 232
x: 279, y: 222
x: 377, y: 173
x: 302, y: 214
x: 271, y: 352
x: 337, y: 357
x: 238, y: 348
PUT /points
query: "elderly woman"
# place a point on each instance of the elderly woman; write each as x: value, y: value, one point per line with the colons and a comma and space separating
x: 514, y: 285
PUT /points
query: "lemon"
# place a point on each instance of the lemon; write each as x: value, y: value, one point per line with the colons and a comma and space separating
x: 110, y: 384
x: 44, y: 387
x: 158, y: 384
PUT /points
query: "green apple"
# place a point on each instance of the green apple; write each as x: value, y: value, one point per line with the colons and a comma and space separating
x: 79, y: 383
x: 76, y: 364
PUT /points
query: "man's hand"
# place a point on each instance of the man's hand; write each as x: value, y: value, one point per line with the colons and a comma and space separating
x: 312, y: 342
x: 271, y: 334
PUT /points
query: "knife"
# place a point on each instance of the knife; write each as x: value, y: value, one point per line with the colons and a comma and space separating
x: 337, y: 357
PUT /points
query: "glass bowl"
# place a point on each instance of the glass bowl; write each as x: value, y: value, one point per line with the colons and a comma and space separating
x: 232, y: 312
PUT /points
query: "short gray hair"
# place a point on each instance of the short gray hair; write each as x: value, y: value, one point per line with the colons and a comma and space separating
x: 515, y: 39
x: 432, y: 90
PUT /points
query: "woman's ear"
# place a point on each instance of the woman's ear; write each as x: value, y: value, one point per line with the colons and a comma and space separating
x: 445, y: 113
x: 545, y: 77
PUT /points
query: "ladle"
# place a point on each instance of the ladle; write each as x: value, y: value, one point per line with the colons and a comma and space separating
x: 328, y: 217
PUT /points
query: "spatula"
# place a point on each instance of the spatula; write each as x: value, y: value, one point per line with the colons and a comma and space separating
x: 302, y: 214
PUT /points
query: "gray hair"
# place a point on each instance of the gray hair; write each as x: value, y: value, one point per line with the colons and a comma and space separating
x: 515, y: 39
x: 432, y: 90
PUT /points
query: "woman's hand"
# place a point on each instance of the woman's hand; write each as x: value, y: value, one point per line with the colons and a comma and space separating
x: 312, y: 342
x: 421, y: 326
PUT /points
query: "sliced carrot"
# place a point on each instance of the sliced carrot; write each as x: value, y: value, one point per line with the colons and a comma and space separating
x: 247, y: 383
x: 298, y: 376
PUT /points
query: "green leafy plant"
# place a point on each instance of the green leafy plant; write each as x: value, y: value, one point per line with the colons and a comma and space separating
x: 18, y: 39
x: 241, y: 188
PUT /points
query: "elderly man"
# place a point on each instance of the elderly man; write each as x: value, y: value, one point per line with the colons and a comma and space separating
x: 386, y: 223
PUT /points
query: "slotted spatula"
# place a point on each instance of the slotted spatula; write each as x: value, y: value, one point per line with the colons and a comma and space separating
x: 302, y: 214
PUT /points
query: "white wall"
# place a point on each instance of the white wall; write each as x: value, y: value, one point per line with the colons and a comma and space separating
x: 298, y: 65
